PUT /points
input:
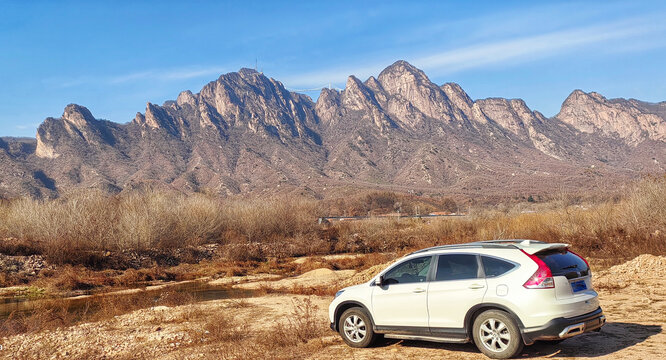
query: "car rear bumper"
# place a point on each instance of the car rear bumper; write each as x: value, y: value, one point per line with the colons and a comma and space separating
x: 562, y: 328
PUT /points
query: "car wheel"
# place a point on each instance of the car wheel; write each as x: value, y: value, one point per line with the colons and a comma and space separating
x: 497, y: 335
x: 355, y: 328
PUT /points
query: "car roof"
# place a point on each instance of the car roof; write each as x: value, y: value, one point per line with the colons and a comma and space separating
x: 529, y: 246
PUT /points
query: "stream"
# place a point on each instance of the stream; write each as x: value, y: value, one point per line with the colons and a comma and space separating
x: 199, y: 290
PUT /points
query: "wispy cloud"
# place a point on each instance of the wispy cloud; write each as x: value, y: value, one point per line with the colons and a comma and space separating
x: 508, y: 52
x: 30, y: 126
x: 629, y: 35
x: 162, y: 75
x: 530, y: 48
x: 169, y: 74
x: 334, y: 76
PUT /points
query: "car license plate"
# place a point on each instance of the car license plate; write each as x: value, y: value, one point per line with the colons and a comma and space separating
x: 579, y: 285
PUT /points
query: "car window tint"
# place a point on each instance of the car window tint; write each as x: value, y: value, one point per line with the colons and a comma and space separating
x: 495, y: 267
x: 457, y: 267
x: 564, y: 263
x: 410, y: 271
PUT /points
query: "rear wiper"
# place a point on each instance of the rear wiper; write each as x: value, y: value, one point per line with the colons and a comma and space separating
x: 570, y: 266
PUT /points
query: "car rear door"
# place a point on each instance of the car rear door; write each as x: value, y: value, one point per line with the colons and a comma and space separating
x: 400, y: 304
x: 458, y: 284
x: 572, y: 277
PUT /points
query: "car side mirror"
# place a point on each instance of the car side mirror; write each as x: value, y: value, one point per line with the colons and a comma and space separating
x: 379, y: 281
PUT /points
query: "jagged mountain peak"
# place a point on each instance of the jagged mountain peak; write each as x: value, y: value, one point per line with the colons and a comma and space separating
x: 77, y: 115
x: 250, y: 100
x: 373, y: 84
x: 577, y: 92
x: 327, y: 107
x: 412, y: 98
x: 77, y: 127
x: 596, y: 96
x: 400, y: 76
x: 356, y: 94
x: 578, y: 96
x: 186, y: 97
x: 539, y: 115
x: 454, y: 87
x: 402, y: 67
x: 457, y: 95
x: 353, y: 81
x: 154, y: 116
x: 633, y: 122
x: 248, y: 71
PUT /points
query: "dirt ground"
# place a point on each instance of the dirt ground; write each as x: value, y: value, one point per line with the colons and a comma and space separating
x: 633, y: 296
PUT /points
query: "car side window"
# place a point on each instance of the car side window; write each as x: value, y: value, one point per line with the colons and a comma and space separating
x: 494, y: 267
x: 457, y: 267
x: 410, y: 271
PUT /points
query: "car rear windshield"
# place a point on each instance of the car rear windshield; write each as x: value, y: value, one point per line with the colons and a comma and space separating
x: 564, y: 263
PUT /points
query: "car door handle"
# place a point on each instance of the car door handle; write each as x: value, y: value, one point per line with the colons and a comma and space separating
x: 418, y: 290
x: 476, y: 286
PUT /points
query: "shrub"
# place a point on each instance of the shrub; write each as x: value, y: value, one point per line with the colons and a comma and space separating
x: 76, y: 228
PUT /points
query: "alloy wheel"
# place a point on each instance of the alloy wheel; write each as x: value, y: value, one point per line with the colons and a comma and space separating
x: 494, y: 335
x: 354, y: 328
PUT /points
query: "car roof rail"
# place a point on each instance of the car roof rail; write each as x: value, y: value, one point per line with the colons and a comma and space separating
x: 492, y: 244
x: 509, y: 241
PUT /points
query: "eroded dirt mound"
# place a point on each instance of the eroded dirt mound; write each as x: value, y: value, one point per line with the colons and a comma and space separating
x: 315, y: 278
x: 365, y: 275
x: 646, y: 265
x: 642, y: 269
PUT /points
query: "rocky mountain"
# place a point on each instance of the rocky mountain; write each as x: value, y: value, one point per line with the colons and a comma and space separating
x: 245, y: 134
x: 630, y: 120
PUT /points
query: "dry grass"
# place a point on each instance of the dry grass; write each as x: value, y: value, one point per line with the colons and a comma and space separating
x: 300, y: 333
x: 74, y: 229
x: 224, y: 328
x: 374, y: 203
x: 65, y: 228
x: 616, y: 230
x: 69, y: 228
x: 67, y: 278
x: 302, y: 325
x: 55, y: 313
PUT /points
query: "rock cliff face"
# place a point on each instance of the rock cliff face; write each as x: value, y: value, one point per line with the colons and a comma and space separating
x: 246, y: 134
x: 76, y: 130
x: 630, y: 120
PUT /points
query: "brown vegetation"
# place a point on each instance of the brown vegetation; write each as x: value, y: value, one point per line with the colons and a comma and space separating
x: 56, y: 313
x: 81, y: 228
x: 617, y: 230
x: 382, y: 202
x: 68, y: 229
x: 299, y: 333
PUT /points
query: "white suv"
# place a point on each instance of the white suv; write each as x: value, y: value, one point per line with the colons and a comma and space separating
x: 501, y: 294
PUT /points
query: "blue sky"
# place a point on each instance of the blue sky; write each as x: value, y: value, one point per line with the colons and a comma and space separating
x: 113, y: 57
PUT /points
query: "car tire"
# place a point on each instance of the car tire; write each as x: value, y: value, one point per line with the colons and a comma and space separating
x: 496, y: 335
x: 355, y: 327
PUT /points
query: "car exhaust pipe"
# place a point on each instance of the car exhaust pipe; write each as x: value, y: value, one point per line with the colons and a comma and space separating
x: 572, y: 330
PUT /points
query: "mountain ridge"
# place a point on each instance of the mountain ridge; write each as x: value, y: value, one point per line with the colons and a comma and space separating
x: 246, y: 134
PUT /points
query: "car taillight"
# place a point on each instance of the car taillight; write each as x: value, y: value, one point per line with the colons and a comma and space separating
x: 542, y: 277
